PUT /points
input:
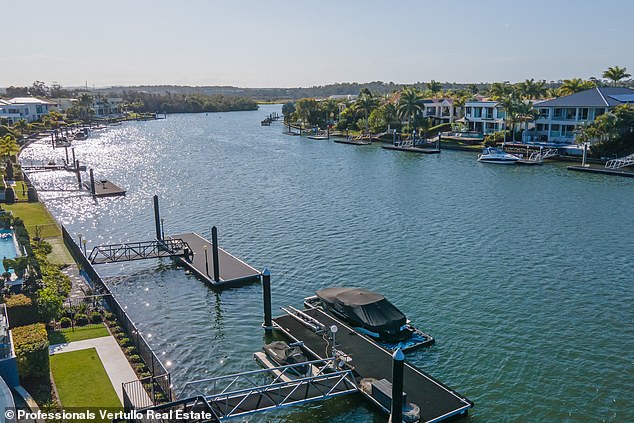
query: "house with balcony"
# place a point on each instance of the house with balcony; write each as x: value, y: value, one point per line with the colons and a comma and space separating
x: 27, y: 108
x: 485, y: 116
x: 441, y: 110
x: 561, y: 119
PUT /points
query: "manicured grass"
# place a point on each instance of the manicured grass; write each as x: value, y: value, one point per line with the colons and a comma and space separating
x: 82, y: 381
x: 20, y: 190
x: 80, y: 333
x: 59, y: 254
x: 35, y: 215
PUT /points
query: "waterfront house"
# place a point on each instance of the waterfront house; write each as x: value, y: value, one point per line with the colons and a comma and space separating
x: 560, y: 119
x: 27, y: 108
x: 485, y: 116
x: 441, y: 110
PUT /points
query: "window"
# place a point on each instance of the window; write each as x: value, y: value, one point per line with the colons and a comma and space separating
x: 598, y: 112
x: 558, y: 113
x: 583, y: 113
x: 477, y: 112
x: 543, y: 113
x: 555, y: 126
x: 571, y: 114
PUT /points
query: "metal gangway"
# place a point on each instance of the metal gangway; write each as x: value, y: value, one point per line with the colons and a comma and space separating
x: 114, y: 253
x: 620, y: 162
x: 270, y: 388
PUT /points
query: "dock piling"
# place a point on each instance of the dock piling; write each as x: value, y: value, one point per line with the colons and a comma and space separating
x: 398, y: 361
x: 266, y: 289
x: 73, y: 150
x: 157, y: 218
x: 214, y: 252
x: 65, y: 148
x: 78, y: 173
x: 92, y: 182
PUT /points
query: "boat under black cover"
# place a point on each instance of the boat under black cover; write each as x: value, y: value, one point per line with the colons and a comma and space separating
x: 373, y: 315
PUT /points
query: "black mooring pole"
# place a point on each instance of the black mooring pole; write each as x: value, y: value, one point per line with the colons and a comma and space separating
x: 92, y: 182
x: 66, y: 148
x: 157, y: 219
x: 73, y: 150
x: 398, y: 361
x: 78, y: 173
x: 266, y: 290
x: 214, y: 252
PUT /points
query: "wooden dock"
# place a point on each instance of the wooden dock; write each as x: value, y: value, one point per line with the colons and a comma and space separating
x: 232, y: 270
x: 436, y: 401
x: 105, y: 188
x: 602, y: 170
x: 420, y: 150
x: 352, y: 142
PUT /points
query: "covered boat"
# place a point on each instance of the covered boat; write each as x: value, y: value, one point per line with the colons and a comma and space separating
x: 372, y: 314
x: 283, y: 354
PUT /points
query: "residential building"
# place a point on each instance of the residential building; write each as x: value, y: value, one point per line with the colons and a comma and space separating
x: 27, y: 108
x: 485, y: 116
x: 441, y: 110
x: 561, y: 119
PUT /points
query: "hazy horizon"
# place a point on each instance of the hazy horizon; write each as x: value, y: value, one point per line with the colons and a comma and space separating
x: 252, y: 44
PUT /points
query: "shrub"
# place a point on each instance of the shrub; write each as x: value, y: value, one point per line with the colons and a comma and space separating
x: 49, y: 304
x: 119, y: 335
x: 9, y: 195
x: 125, y: 342
x: 110, y: 317
x: 140, y: 368
x: 81, y: 319
x: 65, y: 322
x: 134, y: 358
x: 21, y: 310
x: 31, y: 350
x: 95, y: 317
x: 130, y: 350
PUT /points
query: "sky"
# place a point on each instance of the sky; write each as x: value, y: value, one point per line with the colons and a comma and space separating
x: 284, y: 43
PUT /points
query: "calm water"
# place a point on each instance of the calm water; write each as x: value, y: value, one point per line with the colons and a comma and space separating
x: 524, y: 275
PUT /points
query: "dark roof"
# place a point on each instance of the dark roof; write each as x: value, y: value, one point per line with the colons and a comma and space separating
x: 594, y: 97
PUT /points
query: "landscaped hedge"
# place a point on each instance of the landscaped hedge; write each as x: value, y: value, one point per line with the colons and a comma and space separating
x: 21, y: 310
x: 31, y: 350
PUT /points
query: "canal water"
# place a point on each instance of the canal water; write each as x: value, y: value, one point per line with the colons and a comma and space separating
x: 524, y: 275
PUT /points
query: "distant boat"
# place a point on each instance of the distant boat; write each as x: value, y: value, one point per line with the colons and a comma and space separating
x: 466, y: 136
x: 497, y: 155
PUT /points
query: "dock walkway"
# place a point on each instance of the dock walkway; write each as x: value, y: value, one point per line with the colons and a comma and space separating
x: 436, y: 401
x: 232, y: 270
x: 421, y: 150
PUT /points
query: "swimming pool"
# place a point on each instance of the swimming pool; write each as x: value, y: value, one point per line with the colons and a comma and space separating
x: 8, y: 245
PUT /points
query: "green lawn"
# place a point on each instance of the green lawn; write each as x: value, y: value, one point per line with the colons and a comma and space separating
x: 82, y: 381
x: 80, y: 333
x: 35, y: 215
x: 59, y: 254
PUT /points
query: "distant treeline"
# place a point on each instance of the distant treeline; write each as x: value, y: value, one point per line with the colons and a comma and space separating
x: 185, y: 103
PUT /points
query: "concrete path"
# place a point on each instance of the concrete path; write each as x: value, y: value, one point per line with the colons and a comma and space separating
x: 79, y: 286
x: 114, y: 361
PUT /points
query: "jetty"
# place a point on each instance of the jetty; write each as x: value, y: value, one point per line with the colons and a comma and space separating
x: 370, y: 362
x: 602, y: 170
x: 420, y: 150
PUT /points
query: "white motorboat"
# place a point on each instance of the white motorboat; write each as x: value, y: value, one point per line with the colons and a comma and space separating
x: 497, y: 155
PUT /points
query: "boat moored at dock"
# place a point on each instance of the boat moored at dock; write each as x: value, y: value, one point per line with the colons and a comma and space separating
x: 372, y: 315
x: 497, y: 156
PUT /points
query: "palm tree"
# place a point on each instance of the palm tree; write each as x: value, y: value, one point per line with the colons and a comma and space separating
x: 85, y: 103
x: 21, y: 125
x: 574, y: 85
x: 366, y: 102
x: 510, y: 106
x: 530, y: 89
x: 410, y: 105
x: 526, y: 113
x: 501, y: 90
x: 434, y: 87
x: 616, y: 74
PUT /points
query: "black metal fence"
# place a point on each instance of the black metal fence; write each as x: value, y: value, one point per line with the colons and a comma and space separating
x: 161, y: 380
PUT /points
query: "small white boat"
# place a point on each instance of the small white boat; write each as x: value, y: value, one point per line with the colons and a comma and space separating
x: 497, y: 155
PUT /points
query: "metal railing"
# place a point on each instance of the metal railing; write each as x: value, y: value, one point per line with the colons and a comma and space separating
x: 146, y: 353
x: 249, y: 392
x: 138, y: 251
x: 620, y: 162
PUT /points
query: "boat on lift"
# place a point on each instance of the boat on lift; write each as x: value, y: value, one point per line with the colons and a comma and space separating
x: 497, y: 156
x: 371, y: 314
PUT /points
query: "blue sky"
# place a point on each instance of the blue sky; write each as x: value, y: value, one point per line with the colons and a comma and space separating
x: 285, y: 43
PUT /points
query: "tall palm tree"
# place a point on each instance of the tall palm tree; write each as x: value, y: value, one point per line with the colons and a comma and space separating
x: 531, y: 90
x: 85, y: 103
x: 366, y: 102
x: 501, y: 90
x: 21, y: 125
x: 574, y: 85
x: 616, y: 74
x: 410, y: 105
x: 526, y: 113
x: 510, y: 106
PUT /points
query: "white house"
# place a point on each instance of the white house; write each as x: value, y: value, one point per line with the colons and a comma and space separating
x: 560, y: 119
x: 485, y: 116
x: 27, y: 108
x: 441, y: 110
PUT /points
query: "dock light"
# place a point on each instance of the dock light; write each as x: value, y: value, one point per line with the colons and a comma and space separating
x: 84, y: 242
x: 333, y: 330
x: 162, y: 228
